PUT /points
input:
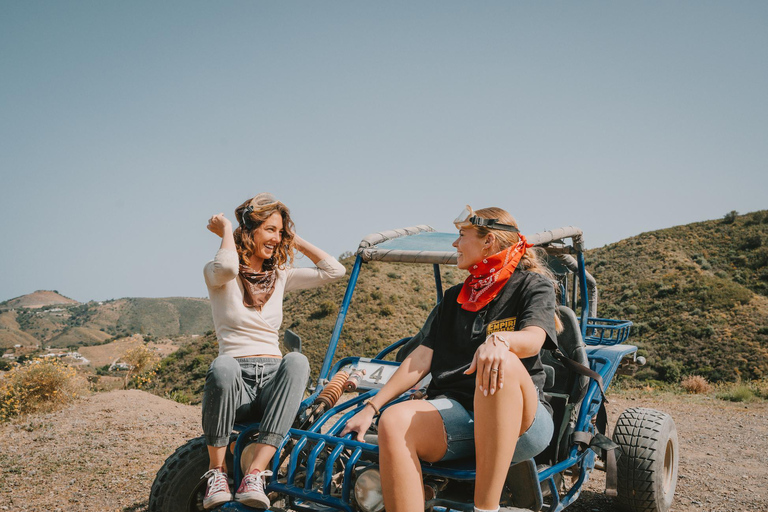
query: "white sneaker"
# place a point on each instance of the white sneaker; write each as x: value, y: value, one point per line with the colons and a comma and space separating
x: 251, y: 490
x: 217, y: 492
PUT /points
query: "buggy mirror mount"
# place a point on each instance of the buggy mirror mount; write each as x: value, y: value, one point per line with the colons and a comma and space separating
x: 292, y: 341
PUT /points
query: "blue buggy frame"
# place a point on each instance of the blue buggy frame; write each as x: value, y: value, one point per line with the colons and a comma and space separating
x: 324, y: 471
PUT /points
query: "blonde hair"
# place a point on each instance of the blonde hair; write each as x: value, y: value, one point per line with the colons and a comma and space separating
x: 531, y: 261
x: 244, y: 233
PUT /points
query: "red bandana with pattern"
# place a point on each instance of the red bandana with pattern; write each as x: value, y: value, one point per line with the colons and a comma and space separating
x: 257, y: 286
x: 487, y: 278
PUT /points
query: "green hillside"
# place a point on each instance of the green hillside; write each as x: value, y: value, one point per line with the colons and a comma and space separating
x: 60, y: 325
x: 698, y: 295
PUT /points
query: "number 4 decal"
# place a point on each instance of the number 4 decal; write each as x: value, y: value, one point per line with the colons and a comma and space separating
x: 377, y: 375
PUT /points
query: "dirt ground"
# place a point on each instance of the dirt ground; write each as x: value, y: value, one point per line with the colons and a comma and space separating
x: 102, y: 453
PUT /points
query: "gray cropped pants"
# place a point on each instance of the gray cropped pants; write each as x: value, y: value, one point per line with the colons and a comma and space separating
x: 246, y: 389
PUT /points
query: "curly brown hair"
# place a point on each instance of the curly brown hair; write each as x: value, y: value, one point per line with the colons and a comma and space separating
x: 244, y: 233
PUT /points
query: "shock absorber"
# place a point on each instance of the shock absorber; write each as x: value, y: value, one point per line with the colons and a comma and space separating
x: 354, y: 380
x: 330, y: 393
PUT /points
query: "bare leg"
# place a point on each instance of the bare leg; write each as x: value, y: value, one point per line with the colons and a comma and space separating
x: 499, y: 420
x: 217, y: 456
x: 408, y: 431
x: 262, y: 457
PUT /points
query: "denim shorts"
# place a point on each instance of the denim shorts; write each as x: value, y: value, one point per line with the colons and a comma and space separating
x: 460, y: 431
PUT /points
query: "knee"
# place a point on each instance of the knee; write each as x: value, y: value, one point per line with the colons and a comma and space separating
x: 513, y: 368
x: 223, y: 371
x: 393, y: 425
x: 296, y: 361
x: 296, y: 365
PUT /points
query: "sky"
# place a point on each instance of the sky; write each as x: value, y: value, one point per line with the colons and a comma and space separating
x: 125, y: 125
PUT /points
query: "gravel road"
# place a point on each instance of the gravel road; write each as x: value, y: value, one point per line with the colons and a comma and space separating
x: 102, y: 453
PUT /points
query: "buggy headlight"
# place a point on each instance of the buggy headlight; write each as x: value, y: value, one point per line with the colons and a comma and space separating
x: 368, y: 491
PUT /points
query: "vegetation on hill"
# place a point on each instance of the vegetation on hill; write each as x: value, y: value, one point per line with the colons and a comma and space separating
x: 698, y: 295
x: 38, y: 385
x: 92, y: 323
x: 181, y: 375
x: 37, y: 299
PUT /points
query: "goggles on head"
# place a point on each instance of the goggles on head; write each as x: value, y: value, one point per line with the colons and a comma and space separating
x: 467, y: 218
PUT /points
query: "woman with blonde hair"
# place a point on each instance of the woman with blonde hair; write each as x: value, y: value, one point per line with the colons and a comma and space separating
x: 482, y: 348
x: 250, y: 380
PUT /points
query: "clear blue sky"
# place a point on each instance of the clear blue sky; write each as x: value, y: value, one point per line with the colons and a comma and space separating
x: 125, y: 125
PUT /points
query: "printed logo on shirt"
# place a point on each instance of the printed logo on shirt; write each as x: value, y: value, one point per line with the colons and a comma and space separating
x: 505, y: 324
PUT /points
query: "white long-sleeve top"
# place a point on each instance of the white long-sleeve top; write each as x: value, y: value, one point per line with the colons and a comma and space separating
x: 243, y: 331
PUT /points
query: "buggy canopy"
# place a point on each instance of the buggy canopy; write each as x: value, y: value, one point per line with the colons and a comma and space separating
x: 422, y: 244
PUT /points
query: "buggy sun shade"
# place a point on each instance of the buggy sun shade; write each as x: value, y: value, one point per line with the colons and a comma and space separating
x: 422, y: 244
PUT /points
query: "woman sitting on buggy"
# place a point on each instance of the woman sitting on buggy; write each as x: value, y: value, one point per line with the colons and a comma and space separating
x: 250, y: 380
x: 482, y: 348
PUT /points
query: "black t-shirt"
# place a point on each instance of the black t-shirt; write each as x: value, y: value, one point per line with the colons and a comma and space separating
x: 527, y: 299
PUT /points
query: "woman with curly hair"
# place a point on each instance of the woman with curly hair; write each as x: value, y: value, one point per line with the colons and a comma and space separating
x: 250, y: 380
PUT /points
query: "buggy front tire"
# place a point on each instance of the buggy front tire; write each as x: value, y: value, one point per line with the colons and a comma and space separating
x: 648, y: 462
x: 178, y: 486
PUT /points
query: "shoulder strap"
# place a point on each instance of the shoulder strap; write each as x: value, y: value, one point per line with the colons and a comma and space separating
x: 581, y: 370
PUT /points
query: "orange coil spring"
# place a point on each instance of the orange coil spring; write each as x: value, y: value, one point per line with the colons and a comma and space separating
x: 333, y: 390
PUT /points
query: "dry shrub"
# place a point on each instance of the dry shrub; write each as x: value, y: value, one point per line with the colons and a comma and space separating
x: 737, y: 393
x: 761, y: 386
x: 696, y: 384
x: 143, y: 363
x: 41, y: 384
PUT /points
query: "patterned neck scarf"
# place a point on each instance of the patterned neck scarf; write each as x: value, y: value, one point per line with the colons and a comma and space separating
x: 257, y: 286
x: 487, y: 278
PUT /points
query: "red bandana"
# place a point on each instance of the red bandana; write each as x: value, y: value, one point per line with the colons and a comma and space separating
x: 486, y: 279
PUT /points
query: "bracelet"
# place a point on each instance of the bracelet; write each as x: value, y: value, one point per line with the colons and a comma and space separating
x: 375, y: 409
x: 495, y: 337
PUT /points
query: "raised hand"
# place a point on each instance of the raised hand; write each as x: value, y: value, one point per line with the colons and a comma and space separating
x: 218, y: 224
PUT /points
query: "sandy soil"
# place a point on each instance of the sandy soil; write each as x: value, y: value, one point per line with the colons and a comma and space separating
x: 102, y: 454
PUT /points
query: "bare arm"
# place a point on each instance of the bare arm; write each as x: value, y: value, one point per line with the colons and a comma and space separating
x: 221, y: 226
x: 326, y: 272
x: 526, y: 342
x: 224, y: 266
x: 312, y: 252
x: 415, y: 367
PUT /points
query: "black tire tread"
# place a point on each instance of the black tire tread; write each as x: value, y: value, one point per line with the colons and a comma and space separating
x: 639, y: 433
x: 188, y: 453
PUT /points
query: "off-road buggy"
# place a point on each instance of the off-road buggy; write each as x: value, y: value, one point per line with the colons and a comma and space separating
x: 316, y: 470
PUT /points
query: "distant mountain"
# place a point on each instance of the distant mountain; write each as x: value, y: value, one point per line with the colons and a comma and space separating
x: 697, y: 294
x: 38, y: 299
x: 74, y: 324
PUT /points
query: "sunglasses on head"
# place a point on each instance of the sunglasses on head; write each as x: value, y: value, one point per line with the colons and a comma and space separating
x: 245, y: 217
x: 467, y: 218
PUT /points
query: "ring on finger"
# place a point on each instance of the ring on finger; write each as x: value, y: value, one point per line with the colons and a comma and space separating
x: 494, y: 370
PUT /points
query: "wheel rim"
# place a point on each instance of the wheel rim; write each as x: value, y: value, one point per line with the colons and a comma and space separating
x: 195, y: 502
x: 669, y: 466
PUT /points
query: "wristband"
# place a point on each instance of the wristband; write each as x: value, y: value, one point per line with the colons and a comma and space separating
x: 375, y: 409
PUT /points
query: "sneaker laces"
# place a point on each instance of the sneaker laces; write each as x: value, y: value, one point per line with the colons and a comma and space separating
x: 217, y: 482
x: 255, y: 479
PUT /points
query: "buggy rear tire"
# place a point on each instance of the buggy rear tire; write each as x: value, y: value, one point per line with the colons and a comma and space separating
x: 179, y: 486
x: 648, y: 463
